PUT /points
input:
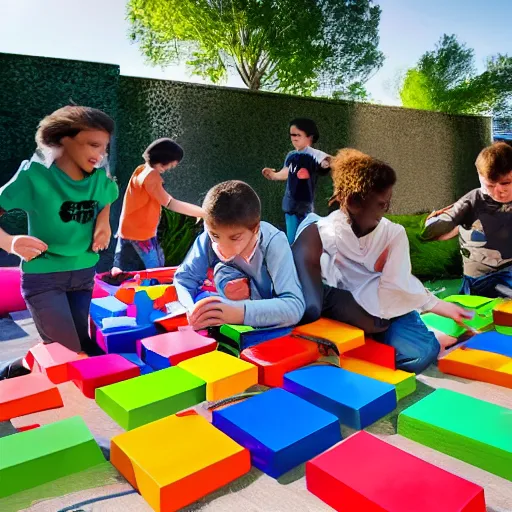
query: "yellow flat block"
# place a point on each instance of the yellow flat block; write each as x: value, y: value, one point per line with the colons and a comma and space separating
x: 344, y: 336
x: 154, y: 292
x: 478, y: 365
x: 404, y: 382
x: 224, y: 375
x: 177, y: 460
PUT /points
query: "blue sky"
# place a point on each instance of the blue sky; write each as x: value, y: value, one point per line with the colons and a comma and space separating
x: 96, y: 30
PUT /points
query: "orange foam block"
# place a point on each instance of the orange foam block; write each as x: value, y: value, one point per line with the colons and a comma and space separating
x: 276, y: 357
x: 52, y: 359
x: 374, y: 352
x: 344, y: 336
x: 365, y: 474
x: 502, y: 314
x: 224, y: 375
x: 27, y: 394
x: 478, y: 365
x: 177, y: 460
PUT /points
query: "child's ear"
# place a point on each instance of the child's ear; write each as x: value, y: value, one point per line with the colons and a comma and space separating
x: 354, y: 201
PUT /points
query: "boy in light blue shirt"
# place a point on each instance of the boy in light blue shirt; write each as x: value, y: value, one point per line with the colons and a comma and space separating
x: 254, y: 271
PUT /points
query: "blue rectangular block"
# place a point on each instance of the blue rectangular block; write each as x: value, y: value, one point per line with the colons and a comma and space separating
x: 280, y: 429
x: 135, y: 359
x: 357, y: 400
x: 251, y: 338
x: 124, y: 341
x: 492, y: 341
x: 107, y: 306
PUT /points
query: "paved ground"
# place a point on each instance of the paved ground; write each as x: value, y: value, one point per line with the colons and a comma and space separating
x: 103, y: 489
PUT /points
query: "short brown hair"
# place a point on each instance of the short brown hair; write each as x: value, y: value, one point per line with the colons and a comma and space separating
x: 232, y: 203
x: 163, y: 151
x: 356, y: 174
x: 494, y: 161
x: 69, y: 121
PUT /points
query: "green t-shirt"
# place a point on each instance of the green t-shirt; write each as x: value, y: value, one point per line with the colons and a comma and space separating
x: 61, y: 212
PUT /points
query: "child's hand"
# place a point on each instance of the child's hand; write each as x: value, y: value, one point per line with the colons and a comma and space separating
x: 238, y: 289
x: 212, y: 311
x: 303, y: 174
x: 102, y: 234
x: 27, y: 247
x: 453, y: 311
x: 326, y: 163
x: 268, y: 173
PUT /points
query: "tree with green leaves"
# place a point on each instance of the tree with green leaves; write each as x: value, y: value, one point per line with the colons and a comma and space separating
x: 327, y: 47
x: 446, y: 80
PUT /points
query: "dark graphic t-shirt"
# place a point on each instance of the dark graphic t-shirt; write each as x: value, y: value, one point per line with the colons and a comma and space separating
x: 61, y: 212
x: 485, y: 231
x: 300, y: 193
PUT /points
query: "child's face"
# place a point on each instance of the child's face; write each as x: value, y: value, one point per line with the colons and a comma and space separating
x: 367, y: 213
x: 165, y: 167
x: 232, y: 241
x: 300, y: 139
x: 87, y: 148
x: 500, y: 190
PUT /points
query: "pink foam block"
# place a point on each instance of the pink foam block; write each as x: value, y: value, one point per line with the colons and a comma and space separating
x: 366, y: 474
x: 96, y: 372
x: 171, y: 348
x: 52, y: 359
x: 10, y: 298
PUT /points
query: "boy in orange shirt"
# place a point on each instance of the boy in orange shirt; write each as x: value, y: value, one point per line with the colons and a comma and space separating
x: 137, y: 244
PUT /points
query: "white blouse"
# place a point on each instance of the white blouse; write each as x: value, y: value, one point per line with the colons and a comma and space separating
x: 375, y: 268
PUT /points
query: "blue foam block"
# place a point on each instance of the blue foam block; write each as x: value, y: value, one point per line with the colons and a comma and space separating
x: 124, y: 341
x: 251, y: 338
x: 280, y: 429
x: 107, y: 306
x: 156, y: 361
x: 357, y: 400
x: 146, y: 313
x: 492, y: 342
x: 135, y: 359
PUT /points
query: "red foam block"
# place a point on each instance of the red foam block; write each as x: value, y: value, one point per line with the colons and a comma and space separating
x: 173, y: 324
x: 374, y: 352
x: 52, y: 359
x: 276, y: 357
x: 27, y: 394
x: 366, y: 474
x: 96, y: 372
x: 177, y: 346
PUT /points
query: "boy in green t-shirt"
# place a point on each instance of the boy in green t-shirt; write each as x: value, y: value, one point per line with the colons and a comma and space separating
x: 67, y: 205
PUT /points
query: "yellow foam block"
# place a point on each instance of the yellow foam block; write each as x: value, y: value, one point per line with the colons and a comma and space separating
x: 478, y: 365
x: 344, y: 336
x: 224, y: 375
x: 154, y: 292
x: 502, y: 314
x: 404, y: 382
x: 177, y: 460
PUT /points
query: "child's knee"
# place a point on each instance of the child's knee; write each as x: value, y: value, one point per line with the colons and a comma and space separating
x: 430, y: 348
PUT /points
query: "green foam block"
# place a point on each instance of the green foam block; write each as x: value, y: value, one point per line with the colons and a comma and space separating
x: 44, y: 454
x: 234, y: 331
x: 135, y: 402
x: 504, y: 330
x: 463, y: 427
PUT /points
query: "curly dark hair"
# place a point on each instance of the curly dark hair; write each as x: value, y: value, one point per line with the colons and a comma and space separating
x: 356, y: 174
x: 232, y: 203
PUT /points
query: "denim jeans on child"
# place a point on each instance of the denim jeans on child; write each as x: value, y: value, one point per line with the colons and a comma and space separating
x: 59, y: 303
x: 485, y: 286
x: 292, y: 223
x: 134, y: 255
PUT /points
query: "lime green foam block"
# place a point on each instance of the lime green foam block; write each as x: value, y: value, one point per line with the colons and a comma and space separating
x: 135, y: 402
x: 44, y: 454
x: 504, y: 330
x: 482, y: 321
x: 463, y: 427
x: 234, y: 331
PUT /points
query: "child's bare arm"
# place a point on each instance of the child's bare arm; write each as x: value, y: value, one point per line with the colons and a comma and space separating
x: 272, y: 175
x: 185, y: 208
x: 24, y: 246
x: 102, y: 230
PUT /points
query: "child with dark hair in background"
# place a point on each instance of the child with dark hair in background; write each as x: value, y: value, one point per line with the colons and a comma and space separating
x: 300, y: 171
x: 253, y: 265
x: 66, y: 194
x: 137, y: 244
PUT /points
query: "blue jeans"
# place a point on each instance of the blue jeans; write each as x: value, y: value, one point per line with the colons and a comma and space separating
x: 132, y: 255
x: 292, y: 223
x: 485, y: 286
x: 416, y: 347
x: 59, y: 303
